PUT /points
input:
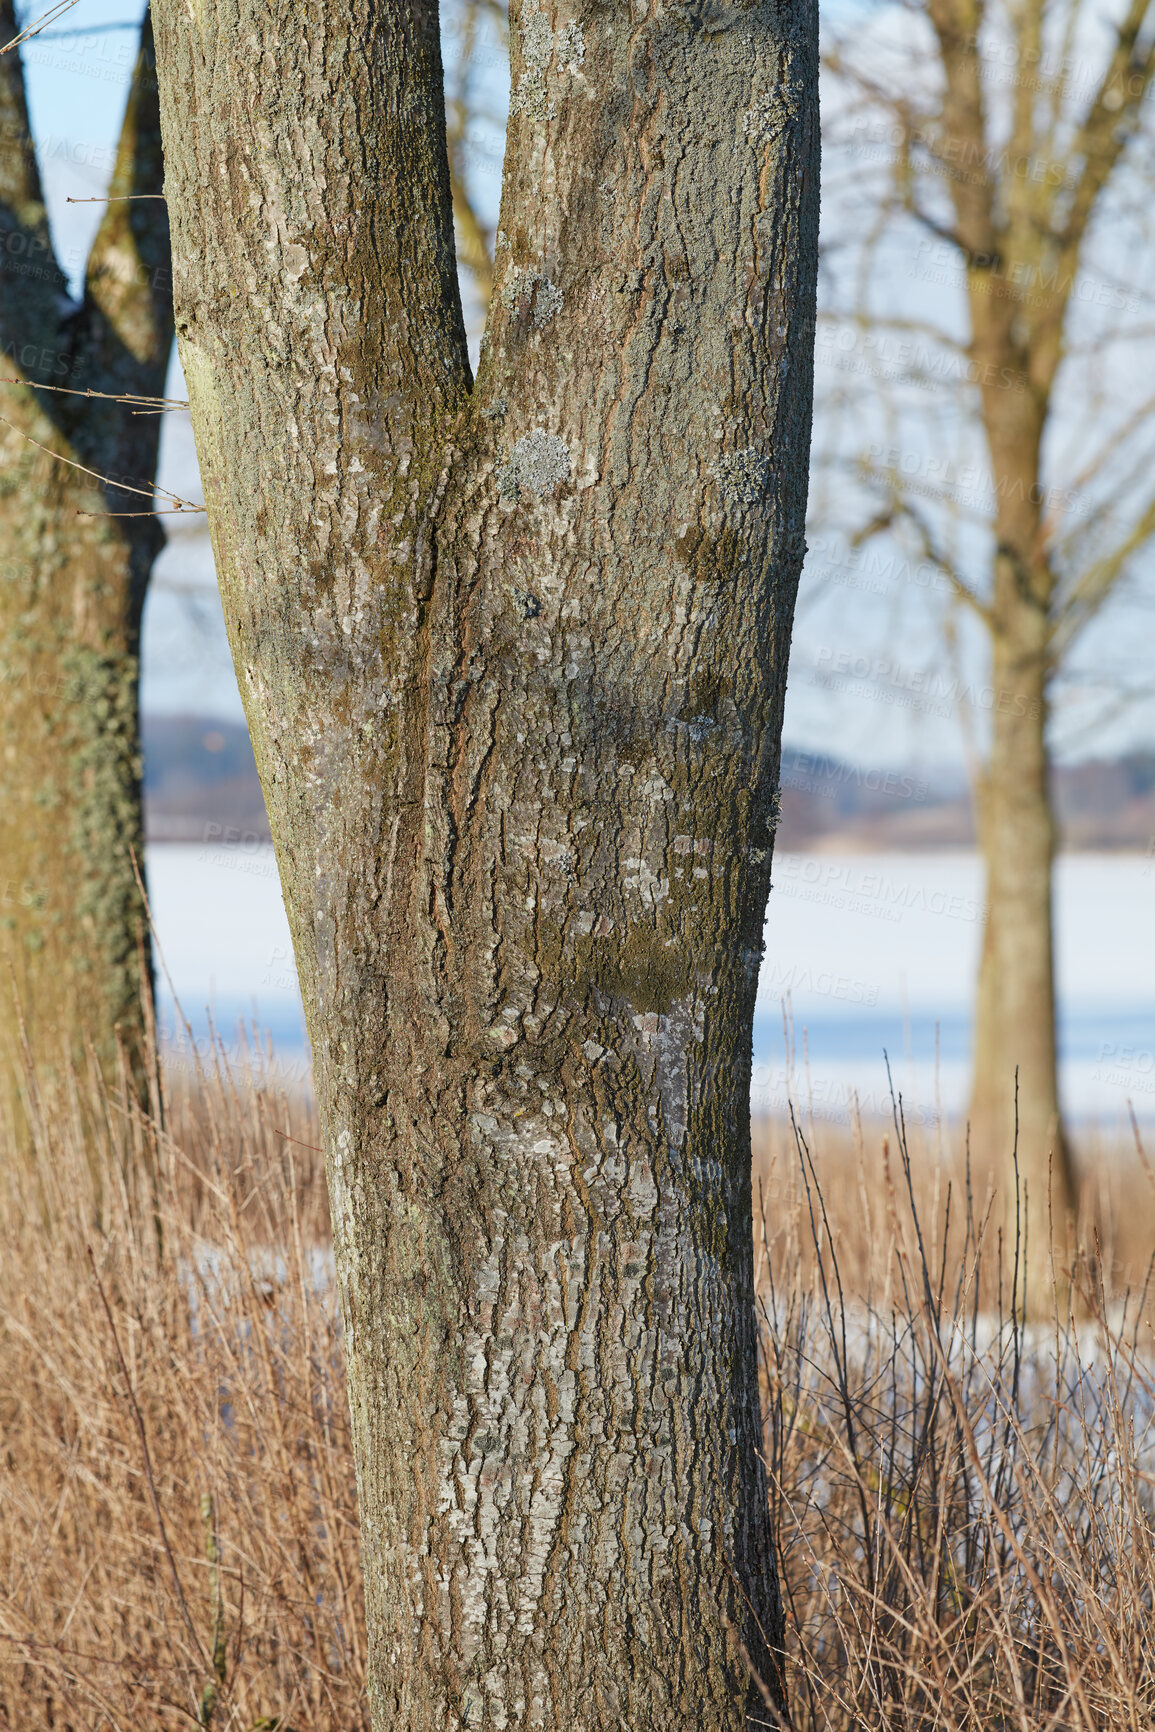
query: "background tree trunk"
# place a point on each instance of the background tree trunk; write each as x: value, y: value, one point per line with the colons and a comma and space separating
x: 74, y: 938
x: 1014, y: 1030
x: 513, y: 656
x: 1014, y: 1027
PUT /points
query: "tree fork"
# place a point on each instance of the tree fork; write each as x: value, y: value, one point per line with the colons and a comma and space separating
x: 513, y: 655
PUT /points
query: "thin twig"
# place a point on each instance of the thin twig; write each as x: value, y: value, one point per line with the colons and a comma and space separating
x: 297, y: 1140
x: 109, y: 396
x: 106, y: 480
x: 38, y: 26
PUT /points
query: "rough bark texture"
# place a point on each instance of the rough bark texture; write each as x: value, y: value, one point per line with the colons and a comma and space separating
x: 513, y: 656
x: 73, y: 936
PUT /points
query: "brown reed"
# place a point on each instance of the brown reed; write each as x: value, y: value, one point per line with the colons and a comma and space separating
x: 963, y: 1501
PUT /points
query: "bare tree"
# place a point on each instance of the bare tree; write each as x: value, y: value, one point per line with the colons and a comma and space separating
x: 78, y: 538
x: 1005, y: 132
x: 513, y: 653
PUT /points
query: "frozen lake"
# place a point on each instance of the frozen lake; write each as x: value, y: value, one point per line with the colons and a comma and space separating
x: 876, y: 950
x: 863, y: 952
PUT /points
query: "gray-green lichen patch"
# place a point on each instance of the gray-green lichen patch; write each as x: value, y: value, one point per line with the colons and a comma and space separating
x: 537, y: 465
x: 571, y: 48
x: 743, y: 476
x: 539, y: 46
x: 529, y: 289
x: 772, y: 111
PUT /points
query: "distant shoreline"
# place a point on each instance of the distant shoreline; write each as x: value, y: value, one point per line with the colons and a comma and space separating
x: 201, y: 786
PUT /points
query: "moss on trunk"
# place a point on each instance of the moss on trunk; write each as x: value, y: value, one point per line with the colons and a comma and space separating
x: 73, y: 571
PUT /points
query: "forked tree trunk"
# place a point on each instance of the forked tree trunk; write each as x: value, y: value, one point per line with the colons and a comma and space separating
x: 513, y: 656
x: 73, y: 937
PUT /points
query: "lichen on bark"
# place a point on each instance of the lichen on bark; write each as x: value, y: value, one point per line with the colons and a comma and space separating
x: 73, y: 573
x: 491, y: 702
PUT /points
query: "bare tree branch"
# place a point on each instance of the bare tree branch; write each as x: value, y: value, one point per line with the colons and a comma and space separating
x: 1096, y: 583
x: 1099, y: 144
x: 957, y: 24
x: 901, y: 508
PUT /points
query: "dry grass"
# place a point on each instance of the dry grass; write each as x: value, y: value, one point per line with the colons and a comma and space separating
x: 859, y: 1169
x: 964, y: 1506
x: 178, y: 1525
x: 963, y: 1503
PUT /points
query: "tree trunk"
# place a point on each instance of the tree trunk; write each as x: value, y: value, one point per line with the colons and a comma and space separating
x: 1015, y: 1074
x: 513, y: 656
x: 74, y: 936
x: 1015, y: 1063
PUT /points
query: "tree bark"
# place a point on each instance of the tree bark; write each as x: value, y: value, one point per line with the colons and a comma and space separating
x: 73, y: 933
x: 1015, y: 1112
x: 513, y: 655
x: 1014, y: 1109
